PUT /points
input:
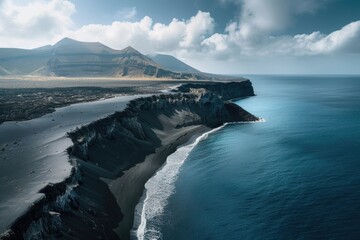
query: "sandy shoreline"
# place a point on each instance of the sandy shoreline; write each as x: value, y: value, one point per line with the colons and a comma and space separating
x: 129, y: 188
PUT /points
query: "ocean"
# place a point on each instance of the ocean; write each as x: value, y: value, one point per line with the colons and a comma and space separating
x: 294, y: 176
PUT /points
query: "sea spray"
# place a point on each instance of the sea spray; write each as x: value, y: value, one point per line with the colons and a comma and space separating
x: 160, y: 187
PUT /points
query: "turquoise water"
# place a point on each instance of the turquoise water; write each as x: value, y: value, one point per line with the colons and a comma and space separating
x: 296, y: 176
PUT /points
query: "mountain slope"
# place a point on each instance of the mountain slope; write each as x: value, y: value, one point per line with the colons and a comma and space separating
x: 71, y: 58
x: 173, y: 64
x: 68, y: 45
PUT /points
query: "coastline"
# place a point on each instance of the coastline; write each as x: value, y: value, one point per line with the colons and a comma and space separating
x: 175, y: 159
x: 110, y: 155
x: 133, y: 181
x: 42, y: 97
x: 117, y: 78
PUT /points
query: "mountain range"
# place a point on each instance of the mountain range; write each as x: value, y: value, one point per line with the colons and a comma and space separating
x: 71, y: 58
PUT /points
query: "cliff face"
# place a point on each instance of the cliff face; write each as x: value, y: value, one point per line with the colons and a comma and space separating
x: 133, y: 129
x: 120, y: 141
x: 226, y: 91
x: 136, y: 123
x: 83, y: 206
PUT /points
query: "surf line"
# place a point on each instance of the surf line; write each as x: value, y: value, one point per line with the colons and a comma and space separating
x: 161, y: 186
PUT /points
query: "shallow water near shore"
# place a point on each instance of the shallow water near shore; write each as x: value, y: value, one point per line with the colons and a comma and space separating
x: 295, y: 176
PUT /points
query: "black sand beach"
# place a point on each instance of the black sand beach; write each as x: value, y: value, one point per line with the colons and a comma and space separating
x: 130, y: 186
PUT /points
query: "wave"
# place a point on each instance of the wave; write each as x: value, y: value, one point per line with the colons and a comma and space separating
x: 260, y: 120
x: 170, y: 89
x: 160, y: 187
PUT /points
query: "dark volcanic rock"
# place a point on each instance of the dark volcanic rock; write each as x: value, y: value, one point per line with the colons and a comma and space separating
x: 227, y: 91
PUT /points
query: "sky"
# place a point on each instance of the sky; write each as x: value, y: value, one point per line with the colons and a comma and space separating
x: 218, y: 36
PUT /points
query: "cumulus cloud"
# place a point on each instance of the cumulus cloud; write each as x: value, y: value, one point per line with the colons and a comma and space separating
x: 233, y: 43
x: 196, y: 28
x: 347, y: 39
x: 257, y: 31
x: 35, y: 22
x: 148, y: 36
x: 272, y: 15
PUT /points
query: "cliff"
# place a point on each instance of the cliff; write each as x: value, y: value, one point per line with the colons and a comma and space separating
x: 227, y: 91
x: 85, y: 206
x: 135, y: 124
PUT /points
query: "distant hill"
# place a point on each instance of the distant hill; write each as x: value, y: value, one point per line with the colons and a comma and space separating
x: 173, y: 64
x: 71, y: 58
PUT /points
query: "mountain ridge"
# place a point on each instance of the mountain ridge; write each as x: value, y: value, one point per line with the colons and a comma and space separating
x: 72, y: 58
x: 172, y: 63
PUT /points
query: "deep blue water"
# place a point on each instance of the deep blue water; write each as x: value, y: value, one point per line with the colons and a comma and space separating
x: 296, y: 176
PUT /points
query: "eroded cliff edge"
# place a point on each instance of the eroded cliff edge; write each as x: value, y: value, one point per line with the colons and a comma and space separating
x: 86, y: 206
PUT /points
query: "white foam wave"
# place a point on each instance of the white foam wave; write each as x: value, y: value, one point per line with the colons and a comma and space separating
x: 170, y: 89
x: 261, y: 120
x: 160, y: 187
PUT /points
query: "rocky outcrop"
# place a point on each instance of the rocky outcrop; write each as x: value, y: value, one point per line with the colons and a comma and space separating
x: 226, y: 91
x: 194, y: 108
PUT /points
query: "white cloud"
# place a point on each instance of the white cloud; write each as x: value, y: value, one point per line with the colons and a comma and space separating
x: 256, y: 33
x: 126, y: 13
x: 347, y: 39
x: 35, y: 22
x: 342, y: 41
x: 272, y: 15
x: 167, y: 37
x: 217, y: 41
x: 148, y: 36
x: 196, y: 29
x: 42, y: 22
x: 234, y: 44
x: 117, y: 35
x: 258, y: 21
